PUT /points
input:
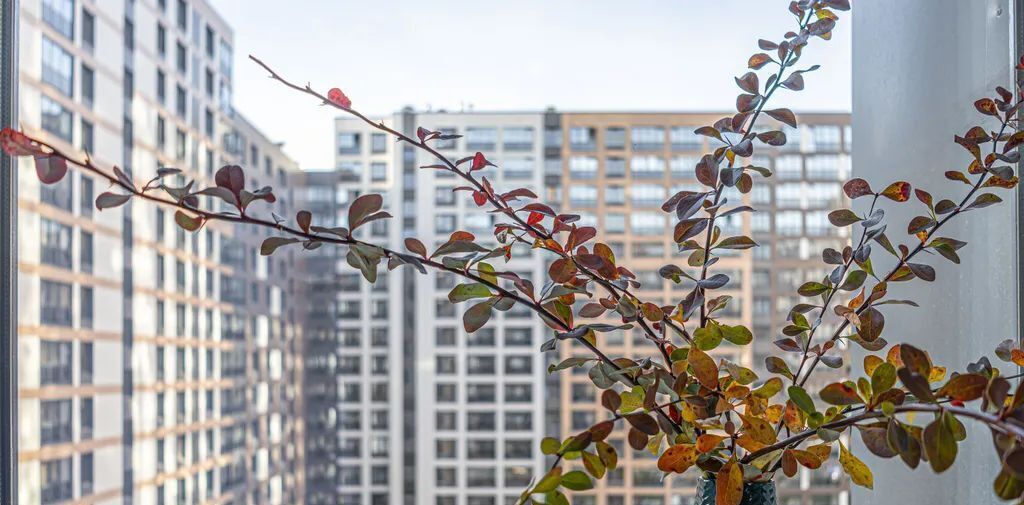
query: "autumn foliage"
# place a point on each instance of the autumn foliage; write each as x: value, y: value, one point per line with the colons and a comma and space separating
x: 696, y: 411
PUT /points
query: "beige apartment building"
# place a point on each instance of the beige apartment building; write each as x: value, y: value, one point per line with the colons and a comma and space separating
x: 155, y: 366
x: 615, y: 170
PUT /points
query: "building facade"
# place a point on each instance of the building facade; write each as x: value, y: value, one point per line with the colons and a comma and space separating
x: 476, y: 401
x: 155, y: 366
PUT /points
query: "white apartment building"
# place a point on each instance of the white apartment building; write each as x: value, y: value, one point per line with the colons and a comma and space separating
x: 473, y: 404
x: 155, y: 366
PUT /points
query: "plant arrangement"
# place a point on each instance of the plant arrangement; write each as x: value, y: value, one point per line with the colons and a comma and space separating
x: 696, y: 412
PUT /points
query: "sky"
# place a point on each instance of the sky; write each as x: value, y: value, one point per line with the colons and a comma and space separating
x: 491, y: 55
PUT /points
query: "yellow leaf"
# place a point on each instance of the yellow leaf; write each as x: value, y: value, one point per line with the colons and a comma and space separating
x: 708, y: 442
x: 704, y: 368
x: 729, y: 485
x: 859, y: 473
x: 937, y: 373
x: 822, y: 451
x: 677, y: 458
x: 758, y: 429
x: 871, y: 362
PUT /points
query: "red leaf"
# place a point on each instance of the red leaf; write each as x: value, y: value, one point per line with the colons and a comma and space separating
x: 479, y: 162
x: 303, y: 218
x: 15, y: 143
x: 479, y: 198
x: 534, y: 218
x: 50, y: 169
x: 856, y: 188
x: 758, y: 60
x: 338, y: 97
x: 784, y: 115
x: 986, y: 106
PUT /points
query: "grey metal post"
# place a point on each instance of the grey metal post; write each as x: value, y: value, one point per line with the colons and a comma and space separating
x: 8, y: 259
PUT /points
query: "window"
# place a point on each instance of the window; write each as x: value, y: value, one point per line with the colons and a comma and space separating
x: 86, y: 418
x: 85, y: 363
x: 378, y: 143
x: 54, y: 362
x: 583, y: 167
x: 55, y: 421
x: 55, y: 303
x: 161, y: 133
x: 518, y: 364
x: 378, y: 171
x: 684, y: 139
x: 518, y: 449
x: 648, y: 138
x: 180, y: 101
x: 647, y: 223
x: 480, y: 421
x: 614, y: 167
x: 56, y: 480
x: 518, y: 337
x: 582, y: 138
x: 825, y: 137
x: 518, y: 138
x: 517, y: 168
x: 480, y: 365
x: 583, y: 195
x: 647, y: 167
x: 161, y: 40
x: 824, y: 167
x: 180, y: 145
x: 615, y: 137
x: 788, y: 223
x: 788, y: 167
x: 181, y: 54
x: 647, y: 195
x: 480, y: 449
x: 209, y: 41
x: 55, y: 118
x: 55, y: 243
x: 518, y: 392
x: 684, y: 167
x: 480, y: 393
x: 182, y: 15
x: 86, y: 474
x: 88, y: 30
x: 614, y: 222
x: 85, y: 303
x: 88, y: 85
x: 60, y: 14
x: 481, y: 139
x: 481, y: 477
x: 348, y: 143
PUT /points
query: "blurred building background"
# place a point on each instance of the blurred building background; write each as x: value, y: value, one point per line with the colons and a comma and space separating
x: 160, y: 367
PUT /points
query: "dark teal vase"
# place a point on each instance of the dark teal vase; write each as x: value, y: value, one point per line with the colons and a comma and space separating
x: 754, y: 493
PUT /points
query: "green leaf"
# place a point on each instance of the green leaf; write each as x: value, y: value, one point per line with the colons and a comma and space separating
x: 187, y: 222
x: 270, y: 244
x: 801, y: 399
x: 577, y: 481
x: 464, y: 292
x: 549, y: 482
x: 738, y: 335
x: 110, y: 200
x: 940, y: 444
x: 812, y: 289
x: 738, y: 243
x: 549, y: 446
x: 476, y: 316
x: 883, y: 377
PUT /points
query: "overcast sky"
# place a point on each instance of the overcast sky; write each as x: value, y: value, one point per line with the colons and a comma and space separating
x: 521, y: 54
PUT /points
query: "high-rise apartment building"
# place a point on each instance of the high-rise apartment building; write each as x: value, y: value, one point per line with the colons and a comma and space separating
x: 155, y: 366
x: 474, y: 404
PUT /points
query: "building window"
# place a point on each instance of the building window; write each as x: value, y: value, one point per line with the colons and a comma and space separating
x: 647, y: 223
x: 647, y: 167
x: 182, y: 15
x: 161, y: 40
x: 615, y: 137
x: 181, y: 101
x: 85, y: 303
x: 582, y: 138
x: 209, y: 41
x: 181, y: 58
x: 85, y: 363
x: 86, y: 474
x: 583, y: 195
x: 481, y: 139
x: 647, y: 138
x: 56, y: 480
x: 60, y: 14
x: 88, y: 85
x: 180, y: 145
x: 583, y: 167
x: 348, y: 143
x: 55, y: 118
x: 161, y: 133
x: 54, y: 362
x: 55, y: 421
x: 683, y: 138
x: 519, y: 138
x: 481, y: 477
x: 88, y: 30
x: 378, y: 171
x: 55, y: 243
x: 480, y: 421
x: 86, y: 421
x: 55, y: 303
